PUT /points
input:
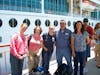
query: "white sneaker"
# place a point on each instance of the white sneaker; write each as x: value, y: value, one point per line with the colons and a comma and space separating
x: 85, y: 70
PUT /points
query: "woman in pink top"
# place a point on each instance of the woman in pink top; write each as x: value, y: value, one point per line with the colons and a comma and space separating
x: 18, y: 50
x: 35, y: 45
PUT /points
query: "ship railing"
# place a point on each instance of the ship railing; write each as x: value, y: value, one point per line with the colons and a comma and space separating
x: 5, y: 60
x: 5, y: 68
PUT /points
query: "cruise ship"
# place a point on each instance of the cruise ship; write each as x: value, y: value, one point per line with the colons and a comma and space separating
x: 43, y: 13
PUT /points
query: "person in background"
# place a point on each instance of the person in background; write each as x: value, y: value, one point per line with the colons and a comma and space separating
x: 79, y: 39
x: 35, y: 46
x: 18, y: 50
x: 63, y: 46
x: 97, y: 45
x: 48, y: 47
x: 90, y: 30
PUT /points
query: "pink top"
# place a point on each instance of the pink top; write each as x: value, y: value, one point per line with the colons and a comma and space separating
x: 35, y: 43
x: 18, y: 45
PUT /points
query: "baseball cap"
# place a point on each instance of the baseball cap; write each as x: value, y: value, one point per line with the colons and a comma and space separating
x: 85, y: 20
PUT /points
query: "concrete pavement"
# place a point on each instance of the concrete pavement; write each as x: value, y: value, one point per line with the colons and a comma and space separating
x: 91, y: 66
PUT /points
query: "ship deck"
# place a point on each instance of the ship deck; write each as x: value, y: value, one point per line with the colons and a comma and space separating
x: 91, y: 66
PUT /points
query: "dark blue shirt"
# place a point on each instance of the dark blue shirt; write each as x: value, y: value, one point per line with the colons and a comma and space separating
x: 63, y: 39
x: 48, y: 40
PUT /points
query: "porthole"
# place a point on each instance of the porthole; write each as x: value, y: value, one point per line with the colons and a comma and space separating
x: 0, y: 22
x: 47, y: 23
x: 37, y: 22
x: 55, y: 23
x: 27, y: 21
x: 13, y: 22
x: 69, y: 23
x: 0, y: 39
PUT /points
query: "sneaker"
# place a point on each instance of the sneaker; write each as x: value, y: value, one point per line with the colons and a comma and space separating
x: 40, y: 69
x: 85, y: 70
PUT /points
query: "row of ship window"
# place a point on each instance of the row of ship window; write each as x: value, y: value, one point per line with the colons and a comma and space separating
x: 13, y: 22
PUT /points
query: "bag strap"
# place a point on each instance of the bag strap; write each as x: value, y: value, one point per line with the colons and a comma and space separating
x: 29, y: 39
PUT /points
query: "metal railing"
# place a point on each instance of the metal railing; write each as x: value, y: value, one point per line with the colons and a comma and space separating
x: 5, y: 61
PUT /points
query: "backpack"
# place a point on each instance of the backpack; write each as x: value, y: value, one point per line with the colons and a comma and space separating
x: 62, y: 70
x: 29, y: 39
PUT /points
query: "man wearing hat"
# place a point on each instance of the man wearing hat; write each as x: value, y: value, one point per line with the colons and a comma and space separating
x: 90, y: 30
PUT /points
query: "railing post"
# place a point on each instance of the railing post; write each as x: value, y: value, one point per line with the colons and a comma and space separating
x: 5, y: 63
x: 0, y: 69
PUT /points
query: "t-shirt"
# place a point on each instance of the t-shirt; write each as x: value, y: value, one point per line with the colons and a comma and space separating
x: 48, y: 40
x: 80, y: 41
x: 90, y: 31
x: 35, y: 43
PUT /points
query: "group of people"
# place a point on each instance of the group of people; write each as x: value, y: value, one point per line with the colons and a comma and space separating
x: 68, y: 44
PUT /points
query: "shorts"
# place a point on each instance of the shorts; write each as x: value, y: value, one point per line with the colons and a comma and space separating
x: 98, y: 48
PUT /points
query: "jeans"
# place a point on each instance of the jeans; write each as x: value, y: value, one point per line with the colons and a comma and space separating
x: 16, y: 65
x: 79, y: 57
x: 88, y: 51
x: 60, y: 53
x: 46, y: 56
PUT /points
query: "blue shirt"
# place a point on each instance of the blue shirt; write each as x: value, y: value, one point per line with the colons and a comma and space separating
x: 80, y: 41
x: 63, y: 39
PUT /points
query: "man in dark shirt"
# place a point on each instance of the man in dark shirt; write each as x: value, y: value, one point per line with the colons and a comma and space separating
x: 48, y: 42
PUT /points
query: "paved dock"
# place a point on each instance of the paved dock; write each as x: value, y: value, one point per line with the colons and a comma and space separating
x: 91, y: 66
